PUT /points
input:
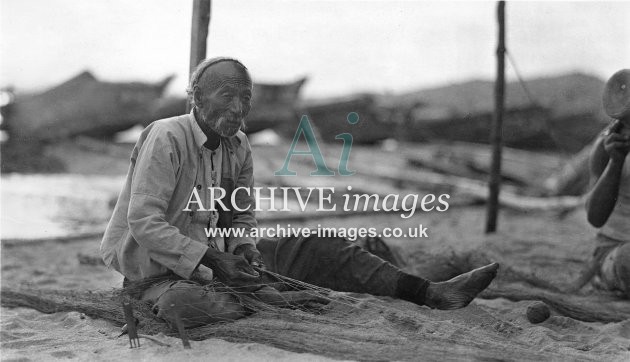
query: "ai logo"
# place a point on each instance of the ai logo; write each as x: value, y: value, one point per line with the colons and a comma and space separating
x: 314, y: 151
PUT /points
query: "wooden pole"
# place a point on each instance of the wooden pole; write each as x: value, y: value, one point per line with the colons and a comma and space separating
x: 497, y: 126
x: 199, y: 34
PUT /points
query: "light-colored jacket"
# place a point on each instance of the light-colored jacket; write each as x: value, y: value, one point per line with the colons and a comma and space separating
x: 149, y: 233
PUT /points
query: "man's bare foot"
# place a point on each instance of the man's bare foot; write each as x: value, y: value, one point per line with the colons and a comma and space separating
x: 460, y: 291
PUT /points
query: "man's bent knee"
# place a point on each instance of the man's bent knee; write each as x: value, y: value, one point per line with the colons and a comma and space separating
x: 622, y: 267
x: 195, y: 305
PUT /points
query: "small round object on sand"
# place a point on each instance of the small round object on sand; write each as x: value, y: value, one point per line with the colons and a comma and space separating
x: 538, y: 312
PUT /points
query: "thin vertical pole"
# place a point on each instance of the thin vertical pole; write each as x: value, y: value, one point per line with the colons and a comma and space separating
x: 199, y: 34
x: 496, y: 137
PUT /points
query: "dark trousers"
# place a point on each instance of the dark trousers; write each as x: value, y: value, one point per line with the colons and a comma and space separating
x: 333, y: 263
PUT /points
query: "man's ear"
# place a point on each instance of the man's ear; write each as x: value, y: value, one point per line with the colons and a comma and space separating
x: 197, y: 97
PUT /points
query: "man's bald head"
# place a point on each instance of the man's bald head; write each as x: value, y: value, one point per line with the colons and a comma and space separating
x: 213, y: 73
x: 221, y: 90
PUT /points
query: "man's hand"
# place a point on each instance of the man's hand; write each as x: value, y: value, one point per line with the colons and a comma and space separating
x: 251, y: 254
x: 617, y: 143
x: 607, y: 163
x: 232, y: 270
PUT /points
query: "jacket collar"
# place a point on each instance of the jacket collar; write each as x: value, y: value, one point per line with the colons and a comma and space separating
x: 200, y: 138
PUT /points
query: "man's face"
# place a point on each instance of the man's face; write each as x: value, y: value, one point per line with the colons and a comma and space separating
x: 225, y: 97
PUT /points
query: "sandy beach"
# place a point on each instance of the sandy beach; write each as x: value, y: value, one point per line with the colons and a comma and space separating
x: 548, y: 245
x: 486, y: 329
x: 410, y: 128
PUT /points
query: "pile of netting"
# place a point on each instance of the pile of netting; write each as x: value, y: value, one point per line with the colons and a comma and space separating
x: 307, y: 318
x: 302, y: 318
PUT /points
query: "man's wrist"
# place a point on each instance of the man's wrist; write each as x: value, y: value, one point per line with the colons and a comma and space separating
x: 617, y: 162
x: 210, y: 257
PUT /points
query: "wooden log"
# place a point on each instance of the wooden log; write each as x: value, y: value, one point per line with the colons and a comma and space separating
x: 472, y: 160
x: 381, y: 172
x: 516, y: 163
x: 474, y: 188
x: 429, y: 162
x: 199, y: 34
x: 496, y: 136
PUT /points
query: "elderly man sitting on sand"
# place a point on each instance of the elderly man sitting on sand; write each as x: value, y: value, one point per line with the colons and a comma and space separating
x: 150, y: 238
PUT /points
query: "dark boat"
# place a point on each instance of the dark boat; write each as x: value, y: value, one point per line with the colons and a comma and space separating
x: 330, y: 118
x: 82, y: 105
x: 563, y: 113
x: 274, y: 105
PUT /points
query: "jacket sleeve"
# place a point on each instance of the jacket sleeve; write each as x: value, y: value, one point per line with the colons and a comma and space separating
x: 245, y: 220
x: 152, y: 187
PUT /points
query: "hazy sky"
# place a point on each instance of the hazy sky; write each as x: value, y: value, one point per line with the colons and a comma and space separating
x: 342, y: 46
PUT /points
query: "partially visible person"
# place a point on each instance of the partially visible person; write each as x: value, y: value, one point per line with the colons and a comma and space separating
x: 608, y: 204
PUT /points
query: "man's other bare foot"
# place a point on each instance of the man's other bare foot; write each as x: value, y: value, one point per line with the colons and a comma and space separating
x: 460, y: 291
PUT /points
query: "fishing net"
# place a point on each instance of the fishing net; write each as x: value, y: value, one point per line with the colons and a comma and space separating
x: 298, y: 299
x: 320, y: 321
x: 339, y: 325
x: 305, y: 318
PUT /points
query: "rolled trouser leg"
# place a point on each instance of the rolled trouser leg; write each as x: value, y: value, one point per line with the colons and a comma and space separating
x: 193, y: 303
x: 337, y: 264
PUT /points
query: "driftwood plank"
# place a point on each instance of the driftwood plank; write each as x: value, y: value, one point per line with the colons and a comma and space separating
x: 382, y: 172
x: 521, y: 166
x: 476, y: 189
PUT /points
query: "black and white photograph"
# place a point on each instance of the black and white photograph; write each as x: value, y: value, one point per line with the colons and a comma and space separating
x: 357, y: 180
